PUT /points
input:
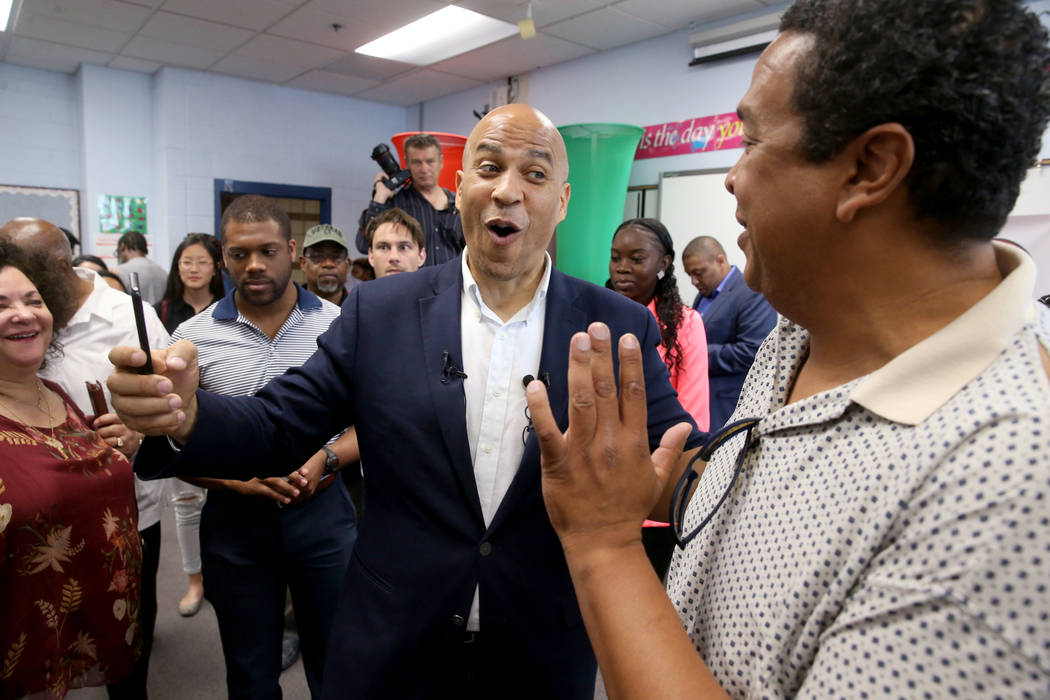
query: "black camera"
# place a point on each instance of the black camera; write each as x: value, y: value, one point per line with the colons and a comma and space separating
x: 396, y: 179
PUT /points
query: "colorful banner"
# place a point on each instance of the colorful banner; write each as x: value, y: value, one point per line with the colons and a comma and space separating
x: 714, y: 133
x: 121, y: 214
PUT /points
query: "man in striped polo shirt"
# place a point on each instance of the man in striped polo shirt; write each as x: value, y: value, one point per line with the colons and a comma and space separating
x: 261, y: 536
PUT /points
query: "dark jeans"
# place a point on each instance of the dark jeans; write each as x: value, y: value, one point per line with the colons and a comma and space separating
x: 133, y: 686
x: 251, y: 552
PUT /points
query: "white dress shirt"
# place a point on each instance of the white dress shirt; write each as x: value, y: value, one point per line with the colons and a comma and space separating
x: 496, y: 357
x: 105, y: 319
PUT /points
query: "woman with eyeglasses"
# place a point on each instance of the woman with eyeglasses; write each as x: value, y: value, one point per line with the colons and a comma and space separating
x: 194, y: 284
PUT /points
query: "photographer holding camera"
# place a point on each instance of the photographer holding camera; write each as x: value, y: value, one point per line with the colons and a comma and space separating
x: 429, y: 203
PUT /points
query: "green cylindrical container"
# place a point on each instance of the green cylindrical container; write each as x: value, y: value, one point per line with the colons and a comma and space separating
x: 600, y: 159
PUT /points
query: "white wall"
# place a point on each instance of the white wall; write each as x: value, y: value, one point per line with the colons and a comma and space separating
x: 39, y: 128
x: 649, y: 82
x: 167, y: 137
x: 116, y: 113
x: 209, y: 126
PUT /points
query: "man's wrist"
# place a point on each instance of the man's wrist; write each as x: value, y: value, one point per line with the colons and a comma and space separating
x: 331, y: 461
x: 591, y: 554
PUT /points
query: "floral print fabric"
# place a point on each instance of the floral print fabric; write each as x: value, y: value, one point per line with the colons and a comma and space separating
x: 70, y: 558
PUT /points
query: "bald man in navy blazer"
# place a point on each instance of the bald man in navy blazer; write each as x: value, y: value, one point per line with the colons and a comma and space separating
x: 458, y: 586
x: 736, y: 321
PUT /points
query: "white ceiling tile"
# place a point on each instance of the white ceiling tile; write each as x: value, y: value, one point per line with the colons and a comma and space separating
x: 56, y: 57
x: 194, y: 32
x: 256, y: 69
x: 49, y: 28
x: 282, y: 40
x: 251, y: 14
x: 331, y: 82
x: 368, y: 67
x: 136, y: 64
x: 417, y: 86
x: 605, y: 29
x: 512, y: 56
x: 108, y: 14
x: 676, y: 14
x: 315, y: 26
x: 293, y: 53
x: 544, y: 12
x: 170, y: 53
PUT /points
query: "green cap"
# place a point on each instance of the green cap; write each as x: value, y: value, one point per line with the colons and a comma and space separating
x: 324, y: 232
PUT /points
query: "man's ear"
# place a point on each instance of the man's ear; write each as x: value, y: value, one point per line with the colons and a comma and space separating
x: 563, y: 202
x: 881, y: 159
x: 422, y: 256
x: 459, y: 181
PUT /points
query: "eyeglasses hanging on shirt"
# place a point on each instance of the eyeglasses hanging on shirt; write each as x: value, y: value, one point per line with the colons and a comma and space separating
x: 680, y: 499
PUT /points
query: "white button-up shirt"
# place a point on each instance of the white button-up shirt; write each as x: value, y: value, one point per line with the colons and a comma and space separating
x: 105, y: 319
x: 496, y: 357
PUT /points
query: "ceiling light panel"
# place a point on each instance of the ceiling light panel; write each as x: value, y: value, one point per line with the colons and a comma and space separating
x: 440, y: 35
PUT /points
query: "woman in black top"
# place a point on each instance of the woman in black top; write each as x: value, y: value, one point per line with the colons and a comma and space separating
x: 194, y: 283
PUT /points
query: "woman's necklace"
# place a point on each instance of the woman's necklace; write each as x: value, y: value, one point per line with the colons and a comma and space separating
x: 31, y: 429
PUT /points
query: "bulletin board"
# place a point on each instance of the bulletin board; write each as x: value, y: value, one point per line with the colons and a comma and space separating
x: 60, y: 207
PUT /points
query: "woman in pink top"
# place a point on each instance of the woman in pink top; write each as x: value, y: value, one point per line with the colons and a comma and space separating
x: 641, y: 267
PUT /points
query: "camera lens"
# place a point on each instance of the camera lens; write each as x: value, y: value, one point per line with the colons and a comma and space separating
x: 381, y: 154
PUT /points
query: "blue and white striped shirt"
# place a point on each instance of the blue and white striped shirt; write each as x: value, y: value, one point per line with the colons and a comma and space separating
x: 238, y: 359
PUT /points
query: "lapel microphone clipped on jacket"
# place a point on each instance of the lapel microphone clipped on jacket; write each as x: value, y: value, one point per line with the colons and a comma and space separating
x: 448, y: 369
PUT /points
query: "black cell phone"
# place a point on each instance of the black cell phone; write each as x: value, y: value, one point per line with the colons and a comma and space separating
x: 140, y: 323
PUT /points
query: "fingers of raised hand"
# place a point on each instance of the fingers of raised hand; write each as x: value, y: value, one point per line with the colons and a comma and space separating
x: 632, y: 406
x: 582, y: 408
x: 602, y: 377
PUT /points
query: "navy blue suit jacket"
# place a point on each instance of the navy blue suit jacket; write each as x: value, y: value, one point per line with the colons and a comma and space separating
x: 420, y: 552
x: 736, y: 323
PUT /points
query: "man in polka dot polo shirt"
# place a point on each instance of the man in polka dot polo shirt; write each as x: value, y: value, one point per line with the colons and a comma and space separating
x: 881, y: 528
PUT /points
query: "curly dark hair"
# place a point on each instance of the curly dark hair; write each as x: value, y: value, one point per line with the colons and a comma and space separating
x: 48, y: 283
x: 668, y: 302
x: 967, y: 78
x: 175, y: 287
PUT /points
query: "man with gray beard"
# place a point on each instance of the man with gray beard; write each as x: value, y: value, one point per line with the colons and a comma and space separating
x: 325, y: 262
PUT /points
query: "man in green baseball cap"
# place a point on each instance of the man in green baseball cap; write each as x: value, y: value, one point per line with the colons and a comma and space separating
x: 325, y: 262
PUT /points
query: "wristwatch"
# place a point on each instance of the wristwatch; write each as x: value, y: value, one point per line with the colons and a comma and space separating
x: 331, y: 461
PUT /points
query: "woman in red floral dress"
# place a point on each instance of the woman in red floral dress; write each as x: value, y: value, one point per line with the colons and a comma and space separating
x: 69, y: 545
